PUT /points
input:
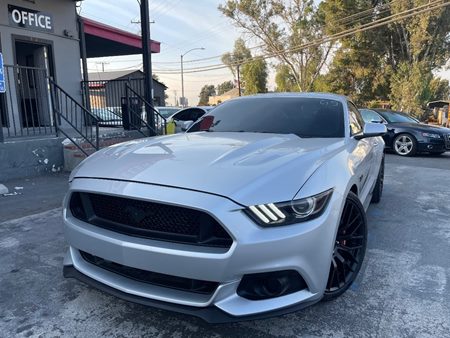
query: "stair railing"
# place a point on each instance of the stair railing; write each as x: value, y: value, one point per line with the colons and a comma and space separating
x: 82, y: 121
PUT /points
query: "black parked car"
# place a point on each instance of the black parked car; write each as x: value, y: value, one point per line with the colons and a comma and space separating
x: 406, y: 136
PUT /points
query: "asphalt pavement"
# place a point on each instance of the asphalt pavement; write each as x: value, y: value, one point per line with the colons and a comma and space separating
x: 33, y: 195
x: 403, y: 289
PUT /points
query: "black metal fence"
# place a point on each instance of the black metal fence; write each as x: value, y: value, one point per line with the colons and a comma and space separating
x: 105, y: 99
x: 136, y: 108
x: 34, y: 105
x: 25, y: 108
x: 121, y: 103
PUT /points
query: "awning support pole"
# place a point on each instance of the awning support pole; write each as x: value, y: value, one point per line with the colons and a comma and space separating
x: 85, y: 85
x: 147, y: 64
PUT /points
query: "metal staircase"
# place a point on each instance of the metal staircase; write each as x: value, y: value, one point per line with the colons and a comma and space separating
x: 85, y: 132
x: 84, y: 126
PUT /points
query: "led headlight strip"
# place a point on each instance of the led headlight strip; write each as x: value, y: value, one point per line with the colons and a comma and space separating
x: 267, y: 212
x: 290, y: 212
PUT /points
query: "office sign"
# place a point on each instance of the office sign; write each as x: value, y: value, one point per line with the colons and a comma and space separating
x: 30, y: 19
x: 2, y: 75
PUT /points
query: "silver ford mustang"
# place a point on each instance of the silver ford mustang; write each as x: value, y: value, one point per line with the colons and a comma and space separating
x: 256, y: 211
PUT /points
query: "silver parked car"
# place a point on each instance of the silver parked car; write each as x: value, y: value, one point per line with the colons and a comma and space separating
x: 257, y: 210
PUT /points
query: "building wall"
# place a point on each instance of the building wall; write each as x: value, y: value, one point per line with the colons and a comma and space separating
x: 31, y: 157
x: 19, y: 157
x: 66, y: 51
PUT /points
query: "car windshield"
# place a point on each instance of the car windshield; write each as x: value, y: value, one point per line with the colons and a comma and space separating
x: 394, y: 117
x: 304, y: 117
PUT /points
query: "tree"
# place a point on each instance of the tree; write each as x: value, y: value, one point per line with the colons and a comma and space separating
x: 410, y: 88
x: 279, y: 26
x: 440, y: 89
x: 254, y: 77
x: 239, y: 55
x: 284, y: 80
x: 224, y: 87
x: 253, y: 71
x: 205, y: 93
x: 394, y: 61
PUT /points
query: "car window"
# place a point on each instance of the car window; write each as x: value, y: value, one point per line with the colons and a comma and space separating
x: 167, y: 111
x: 305, y: 117
x: 191, y: 114
x: 370, y: 116
x: 394, y: 117
x: 355, y: 119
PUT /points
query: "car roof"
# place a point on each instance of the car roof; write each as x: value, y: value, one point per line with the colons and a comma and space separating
x: 205, y: 109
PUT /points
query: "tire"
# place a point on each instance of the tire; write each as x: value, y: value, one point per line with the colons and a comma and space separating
x: 378, y: 190
x: 405, y: 145
x: 349, y: 249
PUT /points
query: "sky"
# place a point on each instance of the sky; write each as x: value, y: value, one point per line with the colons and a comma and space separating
x: 179, y: 26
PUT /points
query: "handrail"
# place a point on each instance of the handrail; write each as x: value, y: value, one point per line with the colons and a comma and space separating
x: 138, y: 116
x: 73, y: 141
x: 74, y: 101
x: 147, y: 104
x: 60, y: 100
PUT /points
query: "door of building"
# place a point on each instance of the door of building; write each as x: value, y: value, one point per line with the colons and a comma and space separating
x: 34, y: 65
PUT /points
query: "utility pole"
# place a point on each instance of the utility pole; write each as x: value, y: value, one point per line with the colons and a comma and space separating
x: 138, y: 22
x: 239, y: 79
x: 103, y: 63
x: 176, y: 99
x: 147, y: 65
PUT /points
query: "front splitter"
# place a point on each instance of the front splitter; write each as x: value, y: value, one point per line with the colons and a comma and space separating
x: 210, y: 314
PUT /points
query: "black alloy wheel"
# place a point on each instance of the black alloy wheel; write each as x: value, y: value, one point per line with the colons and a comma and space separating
x: 349, y: 248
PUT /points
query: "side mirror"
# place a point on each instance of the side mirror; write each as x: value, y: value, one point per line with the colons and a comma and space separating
x: 185, y: 125
x: 372, y: 130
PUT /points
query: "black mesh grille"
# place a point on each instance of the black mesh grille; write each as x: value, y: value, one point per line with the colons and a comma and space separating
x: 447, y: 141
x: 149, y: 219
x: 154, y: 278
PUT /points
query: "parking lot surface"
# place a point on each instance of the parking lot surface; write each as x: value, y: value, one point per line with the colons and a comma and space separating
x: 403, y: 289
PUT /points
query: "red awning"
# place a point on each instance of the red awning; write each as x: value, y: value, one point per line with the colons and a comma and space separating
x: 103, y: 40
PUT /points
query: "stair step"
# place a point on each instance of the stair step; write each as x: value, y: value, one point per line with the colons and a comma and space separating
x: 73, y: 155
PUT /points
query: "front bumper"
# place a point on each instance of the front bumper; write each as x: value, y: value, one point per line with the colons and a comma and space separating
x: 304, y: 247
x: 434, y: 145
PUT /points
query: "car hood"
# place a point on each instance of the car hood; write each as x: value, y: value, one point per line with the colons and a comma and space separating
x: 426, y: 128
x: 249, y: 168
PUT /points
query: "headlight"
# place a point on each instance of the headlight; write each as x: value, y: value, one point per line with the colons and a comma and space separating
x: 431, y: 135
x: 285, y: 213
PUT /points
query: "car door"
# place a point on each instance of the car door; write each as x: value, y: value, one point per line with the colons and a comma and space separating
x: 362, y: 155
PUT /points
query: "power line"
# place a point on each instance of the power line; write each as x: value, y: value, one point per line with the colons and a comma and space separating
x: 260, y: 46
x: 374, y: 24
x: 377, y: 23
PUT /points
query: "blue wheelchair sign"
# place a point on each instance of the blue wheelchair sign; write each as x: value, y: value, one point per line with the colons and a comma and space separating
x: 2, y: 75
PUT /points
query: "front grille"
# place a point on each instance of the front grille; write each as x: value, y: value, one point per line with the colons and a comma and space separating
x: 149, y: 219
x: 153, y: 278
x: 447, y: 141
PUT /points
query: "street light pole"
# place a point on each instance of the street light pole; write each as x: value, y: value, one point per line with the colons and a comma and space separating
x: 182, y: 84
x: 183, y: 99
